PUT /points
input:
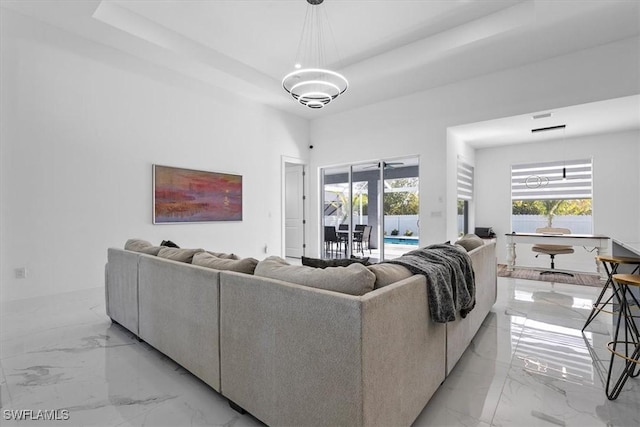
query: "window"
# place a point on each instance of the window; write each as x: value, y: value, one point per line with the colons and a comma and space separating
x: 465, y: 195
x: 552, y: 194
x: 463, y: 217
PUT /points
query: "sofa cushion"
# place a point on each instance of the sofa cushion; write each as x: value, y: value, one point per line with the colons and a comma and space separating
x: 354, y: 279
x: 387, y: 274
x: 470, y: 242
x: 205, y: 259
x: 139, y: 245
x: 341, y: 262
x: 223, y: 255
x: 178, y: 254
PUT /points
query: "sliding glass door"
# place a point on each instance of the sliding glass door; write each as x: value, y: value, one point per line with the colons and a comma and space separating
x: 364, y: 210
x: 372, y: 207
x: 336, y: 210
x: 401, y: 208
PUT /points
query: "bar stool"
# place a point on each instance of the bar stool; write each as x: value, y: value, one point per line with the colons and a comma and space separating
x: 631, y: 342
x: 611, y: 264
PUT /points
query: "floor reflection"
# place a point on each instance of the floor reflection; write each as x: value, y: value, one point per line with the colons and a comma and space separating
x: 529, y: 365
x: 545, y: 370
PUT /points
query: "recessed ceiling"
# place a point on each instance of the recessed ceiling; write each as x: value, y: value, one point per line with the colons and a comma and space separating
x: 387, y: 48
x: 264, y: 35
x: 614, y: 115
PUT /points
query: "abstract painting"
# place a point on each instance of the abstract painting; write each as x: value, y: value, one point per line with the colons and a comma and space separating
x: 185, y: 195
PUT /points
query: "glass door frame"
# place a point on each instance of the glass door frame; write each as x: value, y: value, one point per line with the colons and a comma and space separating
x: 323, y: 170
x: 380, y: 215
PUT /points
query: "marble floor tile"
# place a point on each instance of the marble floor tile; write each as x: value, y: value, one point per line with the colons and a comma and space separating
x: 42, y: 314
x: 99, y: 372
x: 471, y: 391
x: 5, y: 398
x: 443, y: 416
x: 495, y: 343
x: 529, y: 365
x: 543, y: 370
x: 532, y: 397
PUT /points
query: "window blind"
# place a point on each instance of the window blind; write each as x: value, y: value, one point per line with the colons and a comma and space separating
x: 465, y: 181
x: 545, y: 181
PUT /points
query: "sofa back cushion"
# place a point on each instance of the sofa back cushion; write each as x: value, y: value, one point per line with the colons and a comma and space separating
x: 142, y: 246
x: 223, y: 255
x: 470, y: 242
x: 341, y: 262
x: 387, y: 273
x: 178, y: 254
x: 354, y: 279
x: 205, y: 259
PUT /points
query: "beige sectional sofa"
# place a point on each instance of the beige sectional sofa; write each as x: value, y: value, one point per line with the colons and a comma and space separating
x: 295, y: 355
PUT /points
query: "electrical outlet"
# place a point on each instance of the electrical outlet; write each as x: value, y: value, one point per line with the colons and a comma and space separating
x: 21, y: 273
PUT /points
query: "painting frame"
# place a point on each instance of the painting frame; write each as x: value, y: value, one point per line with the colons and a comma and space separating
x: 187, y: 196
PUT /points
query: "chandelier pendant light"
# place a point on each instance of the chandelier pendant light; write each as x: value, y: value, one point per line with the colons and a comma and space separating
x: 311, y: 84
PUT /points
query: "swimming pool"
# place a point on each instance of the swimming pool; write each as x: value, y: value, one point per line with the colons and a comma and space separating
x: 401, y: 240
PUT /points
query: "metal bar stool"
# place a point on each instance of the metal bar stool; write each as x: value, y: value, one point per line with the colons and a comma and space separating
x: 629, y: 348
x: 611, y: 264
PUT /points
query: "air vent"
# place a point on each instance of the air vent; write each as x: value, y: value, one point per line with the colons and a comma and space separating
x: 541, y: 116
x: 548, y: 128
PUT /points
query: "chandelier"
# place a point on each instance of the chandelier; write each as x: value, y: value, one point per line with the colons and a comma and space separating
x: 310, y: 83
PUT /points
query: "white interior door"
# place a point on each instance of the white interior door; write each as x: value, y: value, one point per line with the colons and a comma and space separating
x: 294, y: 211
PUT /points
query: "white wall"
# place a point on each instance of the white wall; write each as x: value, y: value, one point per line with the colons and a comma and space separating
x: 417, y: 124
x: 82, y: 125
x: 616, y: 205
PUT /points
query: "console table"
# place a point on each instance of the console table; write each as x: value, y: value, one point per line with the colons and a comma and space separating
x: 598, y: 241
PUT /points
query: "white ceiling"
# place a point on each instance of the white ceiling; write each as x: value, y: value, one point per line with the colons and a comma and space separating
x: 613, y: 115
x: 387, y: 48
x: 264, y: 35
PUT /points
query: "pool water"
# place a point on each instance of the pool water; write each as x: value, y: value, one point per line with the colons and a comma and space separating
x: 401, y: 241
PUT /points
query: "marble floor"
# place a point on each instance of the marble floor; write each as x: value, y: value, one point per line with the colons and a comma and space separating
x: 529, y: 365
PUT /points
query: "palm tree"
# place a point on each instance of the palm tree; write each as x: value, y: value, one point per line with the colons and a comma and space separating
x: 549, y: 209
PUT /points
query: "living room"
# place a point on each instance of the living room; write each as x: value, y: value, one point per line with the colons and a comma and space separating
x: 88, y: 108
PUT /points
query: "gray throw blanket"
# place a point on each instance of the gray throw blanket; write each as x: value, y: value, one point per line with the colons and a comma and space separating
x: 451, y: 282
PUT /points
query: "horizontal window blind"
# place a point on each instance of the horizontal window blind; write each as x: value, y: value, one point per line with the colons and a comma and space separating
x: 545, y: 181
x: 465, y: 181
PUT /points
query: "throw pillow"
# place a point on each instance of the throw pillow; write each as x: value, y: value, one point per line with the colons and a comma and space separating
x: 223, y: 255
x: 169, y: 243
x: 354, y: 279
x: 142, y: 246
x: 387, y: 274
x: 245, y: 265
x: 177, y: 254
x: 362, y: 260
x: 470, y: 242
x: 340, y: 262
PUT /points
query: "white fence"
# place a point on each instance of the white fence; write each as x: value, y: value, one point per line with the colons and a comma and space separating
x: 578, y: 224
x: 402, y: 223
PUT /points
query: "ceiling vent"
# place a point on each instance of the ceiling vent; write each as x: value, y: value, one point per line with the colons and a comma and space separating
x: 548, y: 128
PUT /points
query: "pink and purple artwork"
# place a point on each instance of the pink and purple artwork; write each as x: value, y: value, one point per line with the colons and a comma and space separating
x: 185, y: 195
